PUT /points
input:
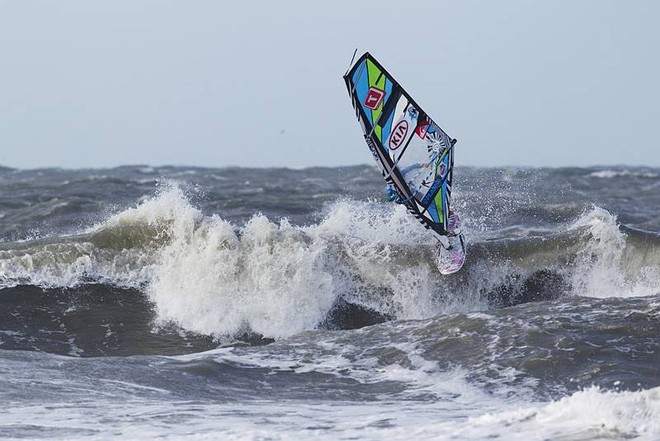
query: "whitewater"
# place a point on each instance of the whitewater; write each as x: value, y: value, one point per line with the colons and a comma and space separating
x: 199, y: 303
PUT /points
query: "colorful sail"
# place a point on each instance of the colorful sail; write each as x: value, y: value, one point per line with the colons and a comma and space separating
x: 415, y: 155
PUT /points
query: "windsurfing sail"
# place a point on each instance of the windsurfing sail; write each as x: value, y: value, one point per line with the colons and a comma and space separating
x: 415, y: 155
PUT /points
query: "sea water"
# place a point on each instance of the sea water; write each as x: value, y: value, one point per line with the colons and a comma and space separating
x: 198, y: 303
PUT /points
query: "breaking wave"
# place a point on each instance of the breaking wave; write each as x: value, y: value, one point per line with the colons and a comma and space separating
x: 275, y: 279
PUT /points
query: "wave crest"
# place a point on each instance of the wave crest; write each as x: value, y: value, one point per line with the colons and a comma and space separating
x: 212, y: 277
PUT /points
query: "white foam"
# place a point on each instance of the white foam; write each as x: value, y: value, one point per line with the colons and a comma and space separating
x: 270, y: 281
x: 152, y: 413
x: 605, y: 267
x: 609, y: 174
x: 587, y: 414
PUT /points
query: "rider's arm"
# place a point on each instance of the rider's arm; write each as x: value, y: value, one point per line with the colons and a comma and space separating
x: 392, y: 194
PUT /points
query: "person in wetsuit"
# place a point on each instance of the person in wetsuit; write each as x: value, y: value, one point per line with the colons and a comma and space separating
x: 453, y: 220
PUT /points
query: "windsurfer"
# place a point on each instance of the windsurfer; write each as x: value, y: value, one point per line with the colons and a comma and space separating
x: 453, y: 226
x: 392, y: 194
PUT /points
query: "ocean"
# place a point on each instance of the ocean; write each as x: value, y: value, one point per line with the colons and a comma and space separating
x: 182, y: 303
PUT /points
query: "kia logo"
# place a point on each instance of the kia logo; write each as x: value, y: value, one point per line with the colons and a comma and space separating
x: 398, y: 134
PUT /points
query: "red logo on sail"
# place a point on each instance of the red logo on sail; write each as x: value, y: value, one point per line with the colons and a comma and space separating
x: 374, y: 97
x: 398, y: 134
x: 422, y: 129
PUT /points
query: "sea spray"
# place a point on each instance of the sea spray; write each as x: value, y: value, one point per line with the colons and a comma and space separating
x: 265, y: 278
x: 606, y: 261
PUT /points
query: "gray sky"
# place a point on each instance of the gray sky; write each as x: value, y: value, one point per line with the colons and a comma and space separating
x: 254, y: 83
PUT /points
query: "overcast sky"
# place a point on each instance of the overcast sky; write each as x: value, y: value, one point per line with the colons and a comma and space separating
x: 254, y: 83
